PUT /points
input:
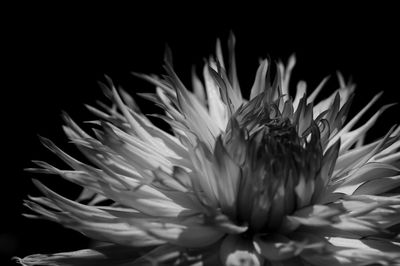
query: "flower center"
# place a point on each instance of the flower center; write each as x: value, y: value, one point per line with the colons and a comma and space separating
x: 278, y: 173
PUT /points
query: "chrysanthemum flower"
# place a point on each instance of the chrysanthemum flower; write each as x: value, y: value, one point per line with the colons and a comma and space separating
x: 269, y: 180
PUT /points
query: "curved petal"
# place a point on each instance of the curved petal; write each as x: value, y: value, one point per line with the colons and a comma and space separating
x: 90, y: 220
x: 216, y: 107
x: 101, y: 256
x: 378, y: 186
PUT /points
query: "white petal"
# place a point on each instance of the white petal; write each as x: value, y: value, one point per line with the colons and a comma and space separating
x: 259, y: 82
x: 217, y: 108
x: 286, y: 73
x: 324, y: 105
x: 349, y: 138
x: 198, y: 88
x: 315, y: 92
x: 368, y: 172
x: 301, y: 91
x: 353, y: 121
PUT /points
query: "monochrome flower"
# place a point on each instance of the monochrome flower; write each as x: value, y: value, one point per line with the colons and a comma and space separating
x: 269, y: 180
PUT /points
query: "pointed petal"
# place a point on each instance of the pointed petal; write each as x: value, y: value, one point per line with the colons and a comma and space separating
x: 259, y: 82
x: 217, y: 109
x: 198, y: 88
x: 369, y: 171
x: 286, y: 73
x: 101, y: 256
x: 314, y: 94
x: 354, y: 120
x: 301, y: 91
x: 324, y: 177
x: 232, y: 66
x: 228, y: 176
x: 228, y: 96
x: 378, y: 186
x: 349, y: 138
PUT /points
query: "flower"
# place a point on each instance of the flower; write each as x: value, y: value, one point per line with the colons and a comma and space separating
x: 272, y: 180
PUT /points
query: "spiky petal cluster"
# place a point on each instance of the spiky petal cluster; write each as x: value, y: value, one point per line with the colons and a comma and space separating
x: 272, y: 180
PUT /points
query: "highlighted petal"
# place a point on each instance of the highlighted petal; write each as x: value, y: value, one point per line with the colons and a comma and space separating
x: 217, y: 109
x: 259, y: 83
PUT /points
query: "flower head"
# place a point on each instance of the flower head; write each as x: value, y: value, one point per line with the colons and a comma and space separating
x: 269, y: 180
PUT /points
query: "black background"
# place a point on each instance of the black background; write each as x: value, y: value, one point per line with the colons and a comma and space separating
x: 55, y: 55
